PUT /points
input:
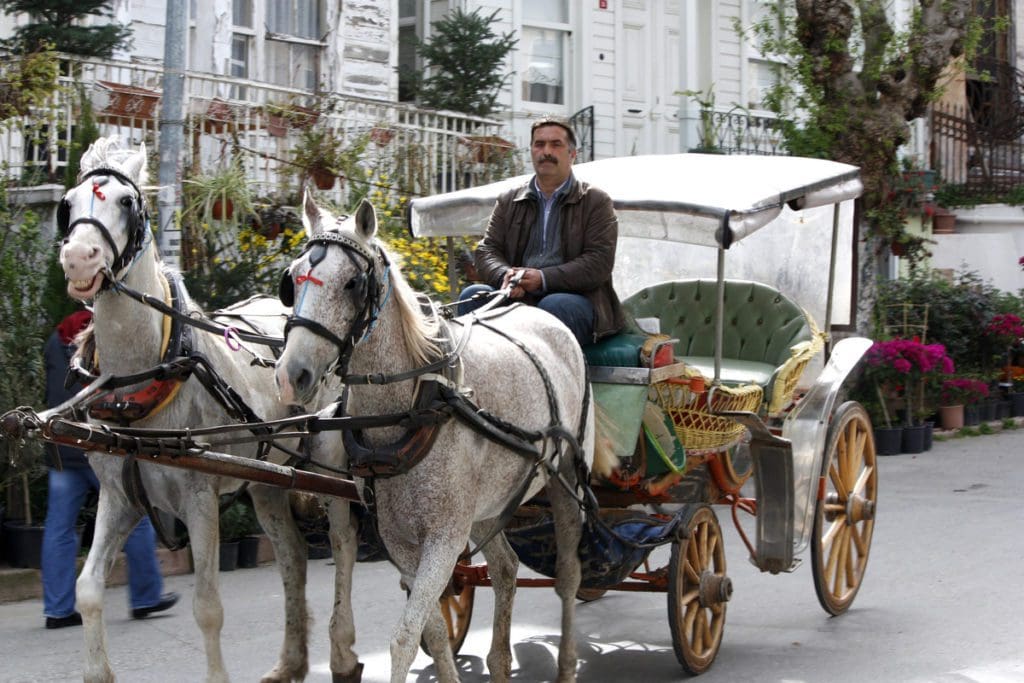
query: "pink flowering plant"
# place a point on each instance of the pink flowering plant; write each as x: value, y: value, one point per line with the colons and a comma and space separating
x: 902, y: 371
x: 963, y: 391
x: 1005, y: 329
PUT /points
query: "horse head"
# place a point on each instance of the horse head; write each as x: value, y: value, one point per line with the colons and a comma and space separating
x: 335, y: 290
x: 103, y: 220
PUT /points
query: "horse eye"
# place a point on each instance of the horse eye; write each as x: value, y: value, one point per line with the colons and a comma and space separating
x: 126, y: 201
x: 350, y: 284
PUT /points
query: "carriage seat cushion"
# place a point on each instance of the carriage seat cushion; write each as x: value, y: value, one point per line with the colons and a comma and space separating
x: 625, y: 350
x: 761, y: 326
x: 618, y: 350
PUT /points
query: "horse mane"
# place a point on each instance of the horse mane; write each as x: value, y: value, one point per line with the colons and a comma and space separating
x: 110, y: 153
x: 419, y: 331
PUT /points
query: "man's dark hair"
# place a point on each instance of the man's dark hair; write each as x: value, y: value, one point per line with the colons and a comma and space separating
x: 555, y: 121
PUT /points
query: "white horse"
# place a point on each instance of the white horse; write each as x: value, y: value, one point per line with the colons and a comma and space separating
x: 108, y: 241
x: 355, y: 314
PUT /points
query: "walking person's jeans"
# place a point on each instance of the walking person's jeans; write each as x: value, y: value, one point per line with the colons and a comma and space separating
x: 574, y: 310
x: 68, y: 489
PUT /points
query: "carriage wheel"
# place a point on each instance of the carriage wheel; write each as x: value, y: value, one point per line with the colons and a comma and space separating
x: 456, y: 605
x: 845, y: 516
x: 698, y: 590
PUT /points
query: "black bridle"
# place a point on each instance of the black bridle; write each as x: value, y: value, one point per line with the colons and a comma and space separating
x: 138, y: 220
x: 365, y: 291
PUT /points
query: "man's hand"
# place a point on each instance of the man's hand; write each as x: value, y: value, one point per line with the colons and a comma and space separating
x: 523, y: 280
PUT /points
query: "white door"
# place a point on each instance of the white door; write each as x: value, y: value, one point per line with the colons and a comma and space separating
x: 648, y: 77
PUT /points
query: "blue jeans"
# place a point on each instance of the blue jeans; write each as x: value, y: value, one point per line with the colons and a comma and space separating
x: 575, y: 310
x: 68, y: 489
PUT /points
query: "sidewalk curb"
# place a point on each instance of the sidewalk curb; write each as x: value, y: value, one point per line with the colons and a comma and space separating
x: 18, y: 584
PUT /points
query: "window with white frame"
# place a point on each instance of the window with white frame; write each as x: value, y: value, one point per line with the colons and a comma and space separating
x: 763, y: 68
x: 544, y: 45
x: 293, y: 42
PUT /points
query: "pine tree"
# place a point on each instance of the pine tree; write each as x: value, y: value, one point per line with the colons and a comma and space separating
x: 59, y: 23
x: 463, y: 58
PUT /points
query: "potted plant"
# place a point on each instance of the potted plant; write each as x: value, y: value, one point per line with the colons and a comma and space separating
x: 218, y: 195
x: 321, y: 155
x: 282, y: 117
x: 237, y: 521
x: 966, y: 392
x: 900, y: 370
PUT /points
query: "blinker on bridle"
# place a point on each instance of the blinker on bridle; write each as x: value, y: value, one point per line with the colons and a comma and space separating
x: 365, y: 293
x: 138, y: 219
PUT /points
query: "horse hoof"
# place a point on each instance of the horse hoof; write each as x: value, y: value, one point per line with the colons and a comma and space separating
x: 355, y: 676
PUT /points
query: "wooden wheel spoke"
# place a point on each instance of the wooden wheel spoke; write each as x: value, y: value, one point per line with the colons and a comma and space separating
x: 841, y: 552
x: 837, y: 481
x: 692, y: 574
x: 858, y: 539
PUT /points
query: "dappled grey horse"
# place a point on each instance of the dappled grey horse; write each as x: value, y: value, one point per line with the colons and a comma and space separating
x: 108, y: 249
x: 516, y: 384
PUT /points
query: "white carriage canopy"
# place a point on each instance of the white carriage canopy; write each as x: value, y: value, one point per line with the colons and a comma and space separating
x: 702, y: 199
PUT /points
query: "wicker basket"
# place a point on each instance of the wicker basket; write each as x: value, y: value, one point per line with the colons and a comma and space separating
x: 691, y: 412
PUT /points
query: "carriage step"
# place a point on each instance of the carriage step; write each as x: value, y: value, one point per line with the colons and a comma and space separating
x: 772, y: 457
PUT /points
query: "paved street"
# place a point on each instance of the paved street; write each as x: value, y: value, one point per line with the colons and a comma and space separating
x: 941, y: 604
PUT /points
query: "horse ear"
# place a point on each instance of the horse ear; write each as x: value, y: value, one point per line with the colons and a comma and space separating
x: 366, y: 219
x: 310, y: 214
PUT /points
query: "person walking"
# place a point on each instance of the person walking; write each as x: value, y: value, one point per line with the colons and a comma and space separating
x: 70, y: 482
x: 553, y: 241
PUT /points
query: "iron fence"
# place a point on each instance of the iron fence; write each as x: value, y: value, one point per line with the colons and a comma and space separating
x: 964, y: 154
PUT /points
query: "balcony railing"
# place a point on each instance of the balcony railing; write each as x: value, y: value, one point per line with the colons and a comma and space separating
x: 965, y: 155
x: 227, y: 117
x: 731, y: 132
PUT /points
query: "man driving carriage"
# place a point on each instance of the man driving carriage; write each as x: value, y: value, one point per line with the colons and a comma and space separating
x: 553, y: 239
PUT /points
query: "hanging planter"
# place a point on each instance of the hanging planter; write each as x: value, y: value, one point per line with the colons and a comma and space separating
x: 943, y: 222
x: 322, y: 178
x: 222, y: 209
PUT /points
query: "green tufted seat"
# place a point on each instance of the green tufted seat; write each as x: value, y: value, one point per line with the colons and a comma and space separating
x: 767, y: 338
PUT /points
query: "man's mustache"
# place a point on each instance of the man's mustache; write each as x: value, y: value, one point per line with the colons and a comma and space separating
x: 547, y: 157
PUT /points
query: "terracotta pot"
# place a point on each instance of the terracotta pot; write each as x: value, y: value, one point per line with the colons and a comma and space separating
x: 222, y: 209
x: 897, y: 248
x: 952, y: 417
x: 944, y: 224
x: 322, y: 178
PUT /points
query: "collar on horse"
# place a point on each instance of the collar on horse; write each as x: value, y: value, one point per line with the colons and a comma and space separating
x: 162, y: 387
x: 137, y: 226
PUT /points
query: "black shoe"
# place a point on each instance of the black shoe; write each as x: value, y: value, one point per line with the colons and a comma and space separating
x: 73, y: 619
x: 167, y: 601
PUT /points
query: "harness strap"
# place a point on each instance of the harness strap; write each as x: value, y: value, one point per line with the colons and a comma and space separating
x: 135, y: 490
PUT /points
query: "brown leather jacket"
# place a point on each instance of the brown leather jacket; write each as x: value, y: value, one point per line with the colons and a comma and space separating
x: 590, y: 233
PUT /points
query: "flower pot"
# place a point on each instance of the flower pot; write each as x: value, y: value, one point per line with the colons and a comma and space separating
x: 929, y: 432
x: 943, y: 224
x: 987, y: 411
x: 1003, y: 409
x: 222, y: 209
x: 971, y: 415
x: 913, y: 439
x: 277, y: 126
x: 248, y: 551
x: 951, y: 417
x: 228, y: 556
x: 1017, y: 404
x: 887, y: 440
x: 23, y: 544
x: 318, y: 546
x: 322, y: 178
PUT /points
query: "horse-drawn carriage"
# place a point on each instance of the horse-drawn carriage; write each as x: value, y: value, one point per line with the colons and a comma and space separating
x: 706, y: 390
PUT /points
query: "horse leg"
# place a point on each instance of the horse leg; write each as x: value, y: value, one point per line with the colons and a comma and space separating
x: 201, y: 518
x: 426, y: 577
x: 502, y: 566
x: 568, y: 530
x: 345, y: 666
x: 115, y: 519
x: 274, y: 514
